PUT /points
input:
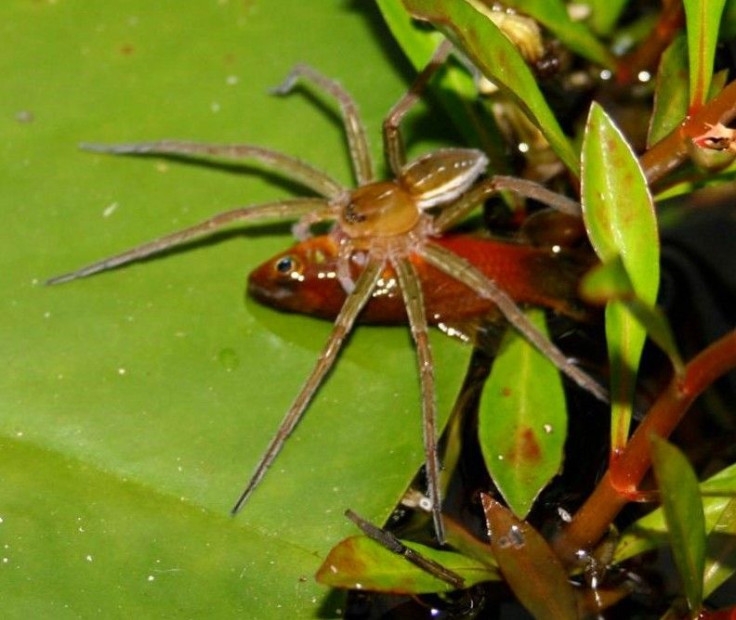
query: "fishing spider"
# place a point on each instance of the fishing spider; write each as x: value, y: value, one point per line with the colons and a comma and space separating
x: 381, y: 226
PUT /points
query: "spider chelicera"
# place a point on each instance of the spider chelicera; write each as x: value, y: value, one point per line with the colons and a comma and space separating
x: 379, y: 226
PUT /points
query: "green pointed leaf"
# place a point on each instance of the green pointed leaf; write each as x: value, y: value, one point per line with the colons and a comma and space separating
x: 720, y: 553
x: 361, y: 563
x: 651, y: 530
x: 702, y: 18
x: 683, y: 512
x: 604, y: 14
x: 159, y: 376
x: 553, y: 15
x: 529, y: 566
x: 522, y: 422
x: 670, y: 95
x: 609, y: 282
x: 620, y: 219
x: 417, y: 43
x: 481, y: 40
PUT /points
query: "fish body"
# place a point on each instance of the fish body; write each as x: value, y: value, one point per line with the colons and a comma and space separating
x: 305, y: 279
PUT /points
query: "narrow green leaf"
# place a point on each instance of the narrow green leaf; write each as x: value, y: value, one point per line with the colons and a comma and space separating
x: 651, y: 530
x: 529, y: 566
x: 605, y: 14
x: 670, y: 95
x: 522, y: 421
x: 720, y: 563
x: 418, y: 43
x: 683, y: 512
x: 481, y: 40
x: 702, y: 19
x: 576, y: 35
x: 361, y: 563
x: 620, y: 219
x: 609, y: 282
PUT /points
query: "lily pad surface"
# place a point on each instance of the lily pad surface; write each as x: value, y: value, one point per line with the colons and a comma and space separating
x: 135, y: 404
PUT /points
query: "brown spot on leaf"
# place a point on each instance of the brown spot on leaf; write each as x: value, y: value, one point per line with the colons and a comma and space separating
x: 526, y: 448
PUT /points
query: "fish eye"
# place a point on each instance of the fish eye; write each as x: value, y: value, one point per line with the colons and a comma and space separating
x: 288, y: 266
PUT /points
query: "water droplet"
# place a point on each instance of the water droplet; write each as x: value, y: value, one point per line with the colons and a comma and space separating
x: 151, y: 578
x: 24, y: 116
x: 229, y: 359
x: 110, y: 209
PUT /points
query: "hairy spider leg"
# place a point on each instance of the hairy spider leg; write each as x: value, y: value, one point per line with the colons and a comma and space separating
x: 394, y: 545
x: 463, y: 271
x: 393, y: 146
x: 343, y: 325
x: 294, y: 208
x: 292, y: 167
x: 354, y: 129
x: 414, y: 302
x: 454, y: 212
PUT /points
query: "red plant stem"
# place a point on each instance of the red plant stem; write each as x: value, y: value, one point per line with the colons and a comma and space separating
x: 671, y: 151
x: 591, y: 522
x: 646, y: 56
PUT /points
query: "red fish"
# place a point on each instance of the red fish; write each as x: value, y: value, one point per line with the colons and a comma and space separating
x: 304, y: 279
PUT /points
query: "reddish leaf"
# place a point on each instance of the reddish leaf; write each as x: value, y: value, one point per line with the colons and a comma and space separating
x: 528, y: 564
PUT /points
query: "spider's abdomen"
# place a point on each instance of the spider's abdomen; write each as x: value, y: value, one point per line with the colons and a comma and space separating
x: 441, y: 176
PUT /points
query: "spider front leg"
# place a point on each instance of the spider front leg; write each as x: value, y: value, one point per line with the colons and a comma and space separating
x: 343, y: 325
x: 393, y: 146
x: 354, y: 130
x: 296, y: 208
x: 414, y: 302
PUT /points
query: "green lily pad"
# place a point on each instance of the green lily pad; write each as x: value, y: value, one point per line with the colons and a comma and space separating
x: 158, y: 376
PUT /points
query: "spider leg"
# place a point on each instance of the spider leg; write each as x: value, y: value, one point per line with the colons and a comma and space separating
x: 413, y: 299
x: 344, y: 277
x: 284, y: 209
x: 463, y: 271
x: 458, y: 209
x: 294, y: 168
x: 343, y: 324
x: 393, y: 146
x: 354, y: 130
